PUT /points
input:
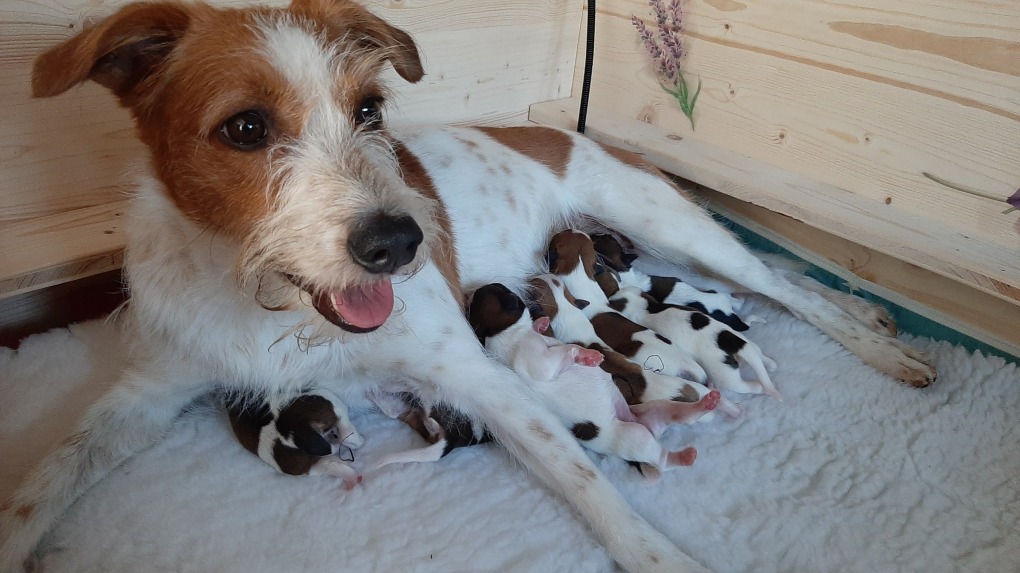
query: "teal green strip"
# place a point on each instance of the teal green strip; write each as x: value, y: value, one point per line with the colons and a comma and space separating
x: 907, y: 321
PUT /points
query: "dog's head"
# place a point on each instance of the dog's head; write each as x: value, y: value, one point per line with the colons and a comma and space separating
x: 312, y: 424
x: 265, y: 125
x: 493, y: 309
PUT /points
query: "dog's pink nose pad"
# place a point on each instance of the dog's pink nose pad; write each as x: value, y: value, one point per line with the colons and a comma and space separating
x: 384, y: 243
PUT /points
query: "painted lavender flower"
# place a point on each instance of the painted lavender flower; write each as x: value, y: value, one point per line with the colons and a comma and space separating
x: 666, y: 50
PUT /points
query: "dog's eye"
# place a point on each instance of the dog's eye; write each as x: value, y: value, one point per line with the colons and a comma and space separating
x: 369, y: 112
x: 246, y: 130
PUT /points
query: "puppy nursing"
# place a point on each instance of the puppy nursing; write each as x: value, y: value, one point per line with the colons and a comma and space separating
x: 710, y: 344
x: 280, y: 217
x: 566, y: 376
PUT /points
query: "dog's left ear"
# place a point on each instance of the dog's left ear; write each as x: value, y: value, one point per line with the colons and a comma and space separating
x: 120, y: 52
x: 397, y: 45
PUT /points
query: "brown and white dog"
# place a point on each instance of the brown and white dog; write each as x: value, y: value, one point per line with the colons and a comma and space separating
x: 280, y: 220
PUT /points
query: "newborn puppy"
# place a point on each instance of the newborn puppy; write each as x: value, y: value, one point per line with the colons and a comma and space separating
x: 302, y: 437
x: 572, y: 259
x: 440, y: 425
x: 566, y: 378
x: 669, y: 290
x: 717, y: 348
x: 657, y: 400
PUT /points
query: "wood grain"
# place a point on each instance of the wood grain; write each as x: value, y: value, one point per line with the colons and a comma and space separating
x: 971, y: 259
x: 861, y: 95
x: 981, y: 316
x: 64, y: 161
x: 486, y: 61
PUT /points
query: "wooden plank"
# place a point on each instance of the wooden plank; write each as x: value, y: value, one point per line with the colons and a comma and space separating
x: 63, y: 160
x: 864, y: 95
x: 70, y: 152
x: 971, y: 259
x: 981, y: 316
x: 57, y: 248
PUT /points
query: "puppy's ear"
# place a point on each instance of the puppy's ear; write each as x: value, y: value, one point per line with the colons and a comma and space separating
x: 629, y: 258
x: 581, y: 303
x: 118, y: 53
x: 350, y: 17
x: 551, y: 258
x: 311, y: 442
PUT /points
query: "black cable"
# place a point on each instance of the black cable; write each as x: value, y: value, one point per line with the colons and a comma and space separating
x: 589, y: 59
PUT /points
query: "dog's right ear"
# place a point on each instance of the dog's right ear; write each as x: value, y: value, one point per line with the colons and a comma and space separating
x: 119, y: 52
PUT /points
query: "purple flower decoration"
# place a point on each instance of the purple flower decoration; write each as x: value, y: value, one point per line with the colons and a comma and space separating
x: 665, y: 48
x: 1014, y: 200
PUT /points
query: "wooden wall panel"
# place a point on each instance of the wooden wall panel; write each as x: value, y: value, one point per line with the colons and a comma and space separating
x: 863, y: 95
x: 486, y: 62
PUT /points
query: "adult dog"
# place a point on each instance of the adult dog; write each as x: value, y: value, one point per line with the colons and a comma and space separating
x: 281, y: 220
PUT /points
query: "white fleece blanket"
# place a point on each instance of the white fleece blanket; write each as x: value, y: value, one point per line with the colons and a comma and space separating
x: 850, y: 473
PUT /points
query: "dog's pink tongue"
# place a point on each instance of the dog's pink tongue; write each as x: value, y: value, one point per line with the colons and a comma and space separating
x: 366, y: 306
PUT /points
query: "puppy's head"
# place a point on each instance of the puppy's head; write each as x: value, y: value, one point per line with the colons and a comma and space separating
x: 551, y: 295
x: 312, y: 424
x: 493, y: 309
x: 610, y: 252
x: 265, y: 125
x: 567, y: 250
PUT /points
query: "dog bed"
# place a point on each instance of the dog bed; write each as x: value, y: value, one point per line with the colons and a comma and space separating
x: 849, y: 473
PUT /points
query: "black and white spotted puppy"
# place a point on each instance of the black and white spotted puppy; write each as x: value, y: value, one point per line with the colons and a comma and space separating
x: 568, y: 380
x: 670, y: 290
x: 658, y: 401
x: 717, y: 347
x: 302, y: 436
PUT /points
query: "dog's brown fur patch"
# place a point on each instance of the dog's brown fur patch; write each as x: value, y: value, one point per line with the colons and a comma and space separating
x: 550, y: 147
x: 444, y: 252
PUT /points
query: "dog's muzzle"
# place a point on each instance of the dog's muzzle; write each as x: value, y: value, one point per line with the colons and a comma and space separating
x: 384, y: 243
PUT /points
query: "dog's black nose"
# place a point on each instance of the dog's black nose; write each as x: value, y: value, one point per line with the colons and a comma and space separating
x: 384, y: 243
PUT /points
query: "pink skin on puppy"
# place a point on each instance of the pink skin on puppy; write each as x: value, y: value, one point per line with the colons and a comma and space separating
x: 657, y: 400
x: 567, y: 378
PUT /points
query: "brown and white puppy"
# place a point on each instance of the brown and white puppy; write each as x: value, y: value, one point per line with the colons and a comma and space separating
x: 279, y: 219
x: 303, y: 436
x: 715, y: 346
x: 568, y: 380
x: 657, y: 400
x: 572, y: 258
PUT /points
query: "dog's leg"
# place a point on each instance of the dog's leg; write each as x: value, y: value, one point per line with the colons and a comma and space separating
x: 651, y: 212
x: 438, y: 348
x: 131, y: 417
x: 874, y: 316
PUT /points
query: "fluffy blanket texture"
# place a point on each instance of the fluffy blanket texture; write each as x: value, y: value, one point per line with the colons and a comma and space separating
x: 850, y: 473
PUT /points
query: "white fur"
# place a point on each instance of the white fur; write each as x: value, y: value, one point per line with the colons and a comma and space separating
x: 577, y: 393
x: 675, y: 324
x: 197, y: 328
